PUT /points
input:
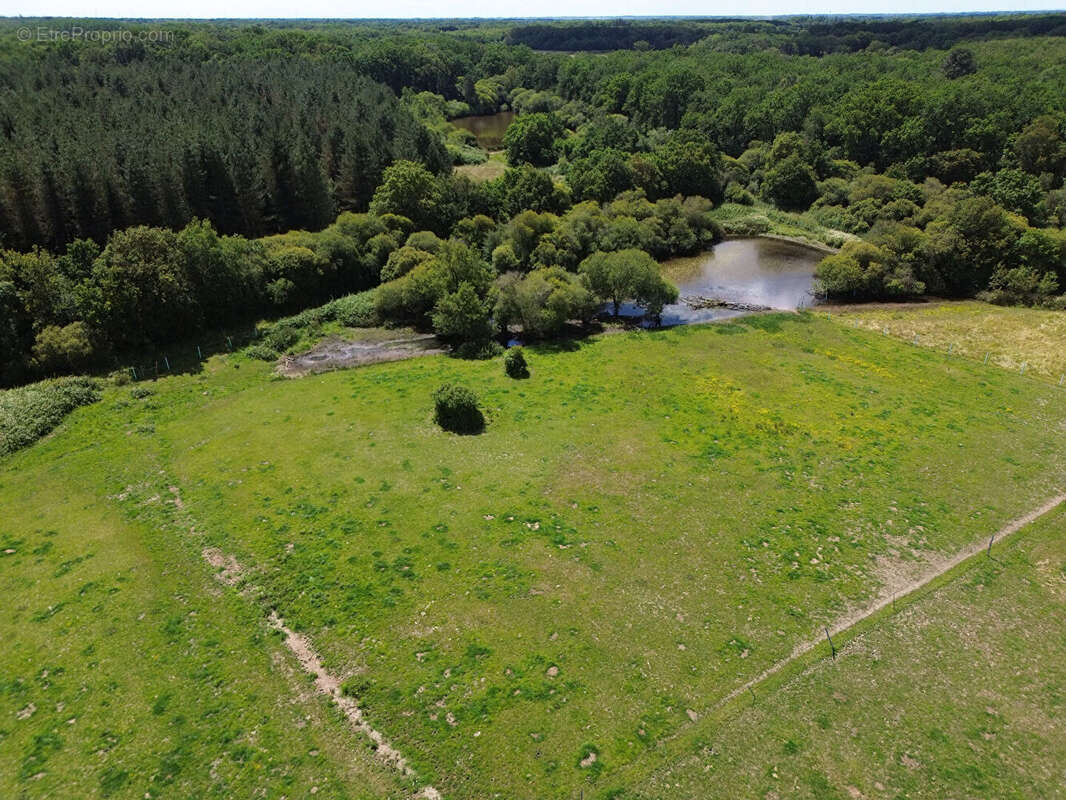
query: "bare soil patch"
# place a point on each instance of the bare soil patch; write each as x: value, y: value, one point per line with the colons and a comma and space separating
x: 337, y: 353
x: 230, y: 572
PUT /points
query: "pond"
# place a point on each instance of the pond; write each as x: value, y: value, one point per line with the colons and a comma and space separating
x: 744, y: 272
x: 488, y: 128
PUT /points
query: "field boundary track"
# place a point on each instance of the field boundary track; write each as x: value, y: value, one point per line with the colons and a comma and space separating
x: 853, y: 618
x: 231, y: 573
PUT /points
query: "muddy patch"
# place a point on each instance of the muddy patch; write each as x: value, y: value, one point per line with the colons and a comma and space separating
x: 337, y: 353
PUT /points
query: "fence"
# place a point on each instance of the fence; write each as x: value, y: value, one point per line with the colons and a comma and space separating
x: 187, y: 357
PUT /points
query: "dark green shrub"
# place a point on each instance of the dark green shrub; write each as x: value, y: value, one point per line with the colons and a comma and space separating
x: 141, y: 392
x: 514, y: 363
x: 30, y: 412
x: 281, y: 336
x: 735, y: 193
x: 456, y: 409
x: 478, y: 351
x: 261, y: 352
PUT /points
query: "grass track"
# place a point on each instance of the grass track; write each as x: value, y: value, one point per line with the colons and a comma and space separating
x: 960, y: 692
x: 126, y: 671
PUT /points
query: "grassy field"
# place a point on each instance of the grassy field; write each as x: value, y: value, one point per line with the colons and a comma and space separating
x: 962, y: 694
x: 127, y: 671
x: 553, y: 607
x: 488, y: 170
x: 1010, y: 336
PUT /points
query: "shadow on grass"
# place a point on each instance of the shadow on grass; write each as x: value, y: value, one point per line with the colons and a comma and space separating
x: 181, y: 358
x: 467, y: 427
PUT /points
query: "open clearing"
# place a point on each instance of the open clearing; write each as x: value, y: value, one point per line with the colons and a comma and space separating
x: 1010, y: 335
x: 555, y: 606
x: 488, y: 170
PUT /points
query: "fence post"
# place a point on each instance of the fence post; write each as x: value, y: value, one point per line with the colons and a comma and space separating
x: 1062, y: 378
x: 987, y: 354
x: 134, y: 371
x: 230, y: 342
x: 915, y: 339
x: 166, y: 361
x: 832, y: 647
x: 951, y: 348
x: 199, y: 355
x: 1024, y: 365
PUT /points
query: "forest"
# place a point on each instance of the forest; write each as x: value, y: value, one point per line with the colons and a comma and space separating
x: 229, y: 172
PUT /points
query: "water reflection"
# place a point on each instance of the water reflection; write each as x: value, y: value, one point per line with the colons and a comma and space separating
x: 765, y: 272
x: 488, y: 128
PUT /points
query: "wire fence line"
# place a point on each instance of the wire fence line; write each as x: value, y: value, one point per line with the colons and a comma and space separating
x: 182, y: 358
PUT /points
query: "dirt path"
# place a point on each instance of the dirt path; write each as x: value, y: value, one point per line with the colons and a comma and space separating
x: 894, y: 592
x: 232, y: 574
x: 329, y: 685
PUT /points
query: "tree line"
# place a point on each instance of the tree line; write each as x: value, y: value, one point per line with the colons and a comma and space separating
x: 814, y: 36
x: 458, y: 257
x: 260, y: 130
x: 246, y: 171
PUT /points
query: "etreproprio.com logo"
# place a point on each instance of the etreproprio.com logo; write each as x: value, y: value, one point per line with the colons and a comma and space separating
x: 77, y: 33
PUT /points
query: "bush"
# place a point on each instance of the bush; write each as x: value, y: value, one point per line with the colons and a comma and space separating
x: 514, y: 363
x: 1020, y: 286
x: 478, y: 351
x: 281, y: 336
x: 261, y: 352
x: 790, y: 185
x: 63, y: 349
x: 462, y: 317
x: 864, y: 271
x: 1055, y: 303
x: 456, y: 409
x: 141, y: 392
x: 543, y: 301
x: 30, y: 412
x: 403, y: 261
x: 356, y: 310
x: 735, y: 193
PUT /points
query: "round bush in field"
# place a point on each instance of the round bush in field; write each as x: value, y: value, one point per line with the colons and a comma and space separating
x: 457, y: 409
x: 514, y: 363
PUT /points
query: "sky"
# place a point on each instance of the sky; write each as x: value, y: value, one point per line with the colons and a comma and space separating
x: 261, y: 9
